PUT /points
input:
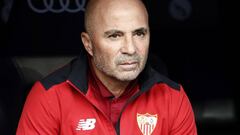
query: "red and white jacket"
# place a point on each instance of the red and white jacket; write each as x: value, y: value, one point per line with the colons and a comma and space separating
x: 64, y: 104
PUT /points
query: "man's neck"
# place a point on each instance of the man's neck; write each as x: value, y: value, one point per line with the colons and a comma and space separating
x: 116, y: 87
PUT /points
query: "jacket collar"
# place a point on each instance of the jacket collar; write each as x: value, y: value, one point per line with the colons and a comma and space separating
x: 79, y: 72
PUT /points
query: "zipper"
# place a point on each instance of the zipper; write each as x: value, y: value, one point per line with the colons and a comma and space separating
x: 117, y: 128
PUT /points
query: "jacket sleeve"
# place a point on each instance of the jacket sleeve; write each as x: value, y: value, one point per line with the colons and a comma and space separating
x: 40, y: 114
x: 183, y: 116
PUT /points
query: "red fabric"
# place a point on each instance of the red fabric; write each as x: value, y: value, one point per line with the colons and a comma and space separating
x: 61, y: 109
x: 110, y: 105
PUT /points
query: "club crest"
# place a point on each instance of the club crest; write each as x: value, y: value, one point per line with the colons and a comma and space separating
x: 147, y: 123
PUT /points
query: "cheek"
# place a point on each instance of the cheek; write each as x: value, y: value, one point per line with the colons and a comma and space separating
x: 111, y: 48
x: 106, y: 52
x: 142, y: 48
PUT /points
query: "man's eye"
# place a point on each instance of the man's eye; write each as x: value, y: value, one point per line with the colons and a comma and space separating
x: 140, y: 34
x: 114, y: 36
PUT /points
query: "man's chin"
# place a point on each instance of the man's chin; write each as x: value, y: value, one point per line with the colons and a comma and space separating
x: 127, y: 76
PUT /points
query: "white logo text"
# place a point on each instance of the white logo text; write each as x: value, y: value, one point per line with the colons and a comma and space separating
x: 86, y: 124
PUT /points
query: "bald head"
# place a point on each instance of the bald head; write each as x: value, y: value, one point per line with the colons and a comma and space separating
x: 99, y: 8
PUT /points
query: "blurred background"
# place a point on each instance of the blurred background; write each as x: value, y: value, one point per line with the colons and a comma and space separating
x: 187, y: 45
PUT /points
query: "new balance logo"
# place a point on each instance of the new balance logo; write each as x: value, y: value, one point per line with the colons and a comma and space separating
x: 86, y: 124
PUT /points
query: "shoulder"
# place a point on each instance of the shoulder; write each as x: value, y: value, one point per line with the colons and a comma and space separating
x: 40, y: 95
x: 158, y: 79
x: 165, y: 87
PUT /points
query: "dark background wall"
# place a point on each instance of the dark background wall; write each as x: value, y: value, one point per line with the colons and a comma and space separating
x: 188, y: 36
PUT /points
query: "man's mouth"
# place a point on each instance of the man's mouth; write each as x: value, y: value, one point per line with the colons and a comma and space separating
x: 129, y: 65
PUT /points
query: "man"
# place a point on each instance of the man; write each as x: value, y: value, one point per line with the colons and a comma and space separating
x: 109, y: 91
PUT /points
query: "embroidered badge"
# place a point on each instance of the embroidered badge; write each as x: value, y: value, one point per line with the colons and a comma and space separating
x: 147, y: 123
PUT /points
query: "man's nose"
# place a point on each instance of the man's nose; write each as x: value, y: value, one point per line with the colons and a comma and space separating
x: 128, y: 46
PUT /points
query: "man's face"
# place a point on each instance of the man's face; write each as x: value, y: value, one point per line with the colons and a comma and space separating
x: 120, y: 42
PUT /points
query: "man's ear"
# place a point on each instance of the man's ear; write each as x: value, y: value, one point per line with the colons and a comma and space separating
x: 87, y: 42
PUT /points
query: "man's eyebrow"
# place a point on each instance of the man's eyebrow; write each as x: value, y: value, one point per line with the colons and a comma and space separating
x: 111, y: 32
x: 142, y: 29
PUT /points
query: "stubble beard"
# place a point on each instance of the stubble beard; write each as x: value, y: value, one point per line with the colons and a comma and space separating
x: 116, y: 72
